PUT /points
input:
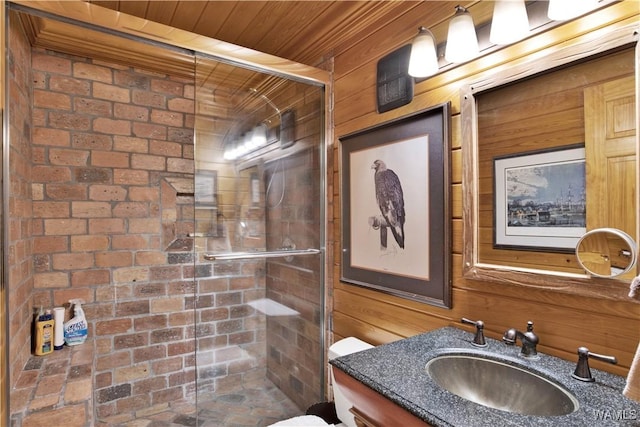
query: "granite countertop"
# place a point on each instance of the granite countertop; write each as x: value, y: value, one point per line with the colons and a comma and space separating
x: 397, y: 371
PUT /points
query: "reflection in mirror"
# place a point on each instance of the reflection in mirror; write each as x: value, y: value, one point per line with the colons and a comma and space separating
x: 606, y: 252
x: 545, y: 198
x: 581, y: 96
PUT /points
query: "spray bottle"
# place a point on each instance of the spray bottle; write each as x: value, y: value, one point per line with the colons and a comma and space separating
x: 75, y: 330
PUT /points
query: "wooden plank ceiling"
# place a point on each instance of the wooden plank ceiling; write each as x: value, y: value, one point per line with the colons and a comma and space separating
x: 307, y: 32
x: 302, y: 31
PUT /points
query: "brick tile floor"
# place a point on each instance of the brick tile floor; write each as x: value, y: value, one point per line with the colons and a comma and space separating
x: 56, y: 390
x: 259, y: 405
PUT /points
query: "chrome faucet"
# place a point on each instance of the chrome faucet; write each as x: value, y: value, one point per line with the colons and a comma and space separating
x: 582, y: 372
x: 478, y: 339
x: 529, y: 340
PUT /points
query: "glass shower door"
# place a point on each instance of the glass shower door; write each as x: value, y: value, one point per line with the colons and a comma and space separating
x: 259, y: 233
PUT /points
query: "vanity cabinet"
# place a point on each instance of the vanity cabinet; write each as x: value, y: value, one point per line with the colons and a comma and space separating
x: 370, y: 408
x: 362, y: 420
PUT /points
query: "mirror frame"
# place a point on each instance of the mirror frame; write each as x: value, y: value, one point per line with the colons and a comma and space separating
x: 598, y: 41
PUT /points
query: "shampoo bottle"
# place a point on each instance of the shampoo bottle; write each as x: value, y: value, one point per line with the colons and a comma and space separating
x: 75, y: 330
x: 44, y: 333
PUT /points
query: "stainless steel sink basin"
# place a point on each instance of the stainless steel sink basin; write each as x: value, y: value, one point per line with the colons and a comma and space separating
x: 500, y: 385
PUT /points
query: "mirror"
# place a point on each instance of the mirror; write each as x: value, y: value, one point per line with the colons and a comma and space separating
x: 606, y: 252
x: 539, y: 173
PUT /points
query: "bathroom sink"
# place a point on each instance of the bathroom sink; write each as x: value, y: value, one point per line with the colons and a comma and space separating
x: 500, y: 385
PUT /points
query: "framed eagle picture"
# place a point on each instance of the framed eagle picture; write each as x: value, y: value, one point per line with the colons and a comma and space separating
x: 396, y: 207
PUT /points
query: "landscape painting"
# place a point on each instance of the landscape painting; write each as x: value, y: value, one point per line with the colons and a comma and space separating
x: 540, y: 200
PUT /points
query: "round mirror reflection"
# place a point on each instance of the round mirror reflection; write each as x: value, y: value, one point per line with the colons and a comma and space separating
x: 606, y: 252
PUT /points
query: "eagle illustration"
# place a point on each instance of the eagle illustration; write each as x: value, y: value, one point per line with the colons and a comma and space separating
x: 390, y: 199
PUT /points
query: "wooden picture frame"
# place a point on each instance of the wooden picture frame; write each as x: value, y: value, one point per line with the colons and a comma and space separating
x: 404, y: 255
x: 540, y: 200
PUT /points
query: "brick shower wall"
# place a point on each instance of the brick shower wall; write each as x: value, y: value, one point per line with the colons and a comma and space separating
x: 109, y: 145
x: 231, y: 339
x: 248, y: 345
x: 239, y: 346
x: 106, y: 140
x: 20, y: 246
x: 231, y: 333
x: 294, y: 343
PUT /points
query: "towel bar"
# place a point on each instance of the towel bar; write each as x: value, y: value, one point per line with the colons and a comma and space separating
x: 259, y: 254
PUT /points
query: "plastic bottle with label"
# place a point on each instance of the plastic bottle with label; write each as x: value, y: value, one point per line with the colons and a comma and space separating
x: 44, y: 333
x: 75, y: 330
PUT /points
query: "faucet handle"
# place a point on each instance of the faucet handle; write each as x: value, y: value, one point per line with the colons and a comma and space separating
x: 478, y: 339
x: 510, y: 336
x: 582, y: 372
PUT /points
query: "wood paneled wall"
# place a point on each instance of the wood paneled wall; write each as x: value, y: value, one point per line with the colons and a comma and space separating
x: 563, y: 321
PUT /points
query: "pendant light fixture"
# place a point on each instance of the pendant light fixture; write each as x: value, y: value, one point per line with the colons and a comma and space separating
x: 423, y: 61
x: 561, y: 10
x: 510, y: 22
x: 462, y: 41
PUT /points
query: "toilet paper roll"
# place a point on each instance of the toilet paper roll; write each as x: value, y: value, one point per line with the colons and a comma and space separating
x: 632, y: 388
x: 58, y: 328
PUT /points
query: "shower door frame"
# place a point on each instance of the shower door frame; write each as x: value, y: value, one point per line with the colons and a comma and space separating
x: 120, y: 24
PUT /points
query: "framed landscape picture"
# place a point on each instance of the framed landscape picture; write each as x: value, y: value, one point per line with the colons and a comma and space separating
x: 540, y: 200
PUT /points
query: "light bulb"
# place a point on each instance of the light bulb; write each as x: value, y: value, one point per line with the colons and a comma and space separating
x: 561, y: 10
x: 230, y: 151
x: 259, y: 136
x: 229, y: 154
x: 462, y: 41
x: 423, y: 61
x: 510, y: 22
